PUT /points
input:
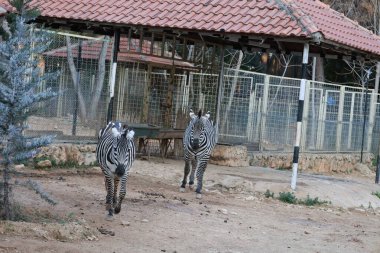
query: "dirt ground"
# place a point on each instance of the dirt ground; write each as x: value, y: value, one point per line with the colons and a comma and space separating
x: 233, y: 215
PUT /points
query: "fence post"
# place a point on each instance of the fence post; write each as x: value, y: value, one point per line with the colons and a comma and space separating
x: 147, y: 85
x: 219, y: 92
x: 75, y: 114
x: 301, y: 99
x: 371, y: 120
x: 340, y: 119
x: 264, y: 111
x: 113, y: 74
x: 305, y: 116
x: 251, y: 108
x: 351, y: 120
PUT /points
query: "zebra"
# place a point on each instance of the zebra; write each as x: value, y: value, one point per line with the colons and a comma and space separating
x: 198, y: 142
x: 115, y: 153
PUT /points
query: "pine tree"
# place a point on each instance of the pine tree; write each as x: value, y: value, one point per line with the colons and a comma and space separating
x: 20, y: 78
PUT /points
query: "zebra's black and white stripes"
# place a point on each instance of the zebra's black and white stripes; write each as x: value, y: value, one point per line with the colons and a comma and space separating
x: 198, y: 142
x: 115, y: 154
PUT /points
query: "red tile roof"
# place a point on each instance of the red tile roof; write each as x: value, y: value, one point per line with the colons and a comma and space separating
x: 276, y: 18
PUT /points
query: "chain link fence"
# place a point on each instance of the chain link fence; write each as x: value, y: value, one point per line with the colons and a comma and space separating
x: 81, y: 104
x: 256, y: 110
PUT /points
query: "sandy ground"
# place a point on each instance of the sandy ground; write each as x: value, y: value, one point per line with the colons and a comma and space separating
x: 232, y: 216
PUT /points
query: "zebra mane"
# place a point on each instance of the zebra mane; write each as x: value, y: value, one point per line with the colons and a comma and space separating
x: 200, y: 113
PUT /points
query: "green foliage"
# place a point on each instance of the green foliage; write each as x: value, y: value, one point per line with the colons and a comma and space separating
x: 312, y: 201
x: 20, y: 82
x: 287, y: 197
x: 377, y: 194
x: 284, y: 168
x: 269, y: 194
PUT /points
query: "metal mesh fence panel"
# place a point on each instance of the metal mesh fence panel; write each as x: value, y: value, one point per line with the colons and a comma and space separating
x: 78, y: 109
x: 256, y: 110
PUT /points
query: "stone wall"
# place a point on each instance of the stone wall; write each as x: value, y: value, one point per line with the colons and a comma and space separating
x: 233, y: 156
x: 62, y: 154
x: 318, y: 163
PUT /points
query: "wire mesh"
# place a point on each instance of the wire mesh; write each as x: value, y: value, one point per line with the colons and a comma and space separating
x: 88, y: 98
x: 256, y: 110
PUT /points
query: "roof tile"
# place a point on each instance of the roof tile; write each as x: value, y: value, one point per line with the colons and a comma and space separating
x: 282, y: 18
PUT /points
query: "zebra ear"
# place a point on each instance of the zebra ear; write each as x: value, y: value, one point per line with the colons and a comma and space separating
x: 130, y: 134
x: 207, y: 115
x: 192, y: 114
x: 115, y: 132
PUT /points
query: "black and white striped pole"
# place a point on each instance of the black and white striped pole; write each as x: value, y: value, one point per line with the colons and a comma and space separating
x: 305, y: 60
x: 113, y: 74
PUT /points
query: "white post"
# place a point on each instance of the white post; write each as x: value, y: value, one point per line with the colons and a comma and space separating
x: 320, y: 127
x: 340, y: 120
x: 305, y: 115
x: 351, y: 120
x: 264, y: 110
x: 371, y: 121
x: 301, y: 99
x: 251, y: 109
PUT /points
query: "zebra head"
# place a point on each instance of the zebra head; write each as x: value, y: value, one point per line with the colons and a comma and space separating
x: 123, y: 147
x: 197, y: 125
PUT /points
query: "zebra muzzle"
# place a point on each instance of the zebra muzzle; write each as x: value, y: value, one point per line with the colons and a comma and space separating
x: 120, y: 170
x: 195, y: 144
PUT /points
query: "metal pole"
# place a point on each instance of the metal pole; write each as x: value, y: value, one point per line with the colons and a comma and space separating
x: 79, y: 65
x: 301, y: 99
x: 377, y: 168
x: 113, y: 74
x: 219, y: 94
x: 365, y: 119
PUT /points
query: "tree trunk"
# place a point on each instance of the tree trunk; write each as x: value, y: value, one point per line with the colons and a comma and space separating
x: 73, y: 71
x: 6, y: 190
x: 233, y: 89
x: 100, y: 78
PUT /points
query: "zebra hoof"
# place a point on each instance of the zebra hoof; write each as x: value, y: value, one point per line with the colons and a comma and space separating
x: 117, y: 210
x: 198, y: 196
x: 181, y: 189
x: 109, y: 217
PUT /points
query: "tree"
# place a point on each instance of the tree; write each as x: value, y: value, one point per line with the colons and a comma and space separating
x: 20, y: 78
x: 101, y: 70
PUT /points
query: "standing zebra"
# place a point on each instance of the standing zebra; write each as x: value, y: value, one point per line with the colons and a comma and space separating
x: 198, y: 142
x: 115, y: 153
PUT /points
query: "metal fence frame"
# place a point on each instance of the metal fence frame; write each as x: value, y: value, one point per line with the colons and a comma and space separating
x: 256, y: 110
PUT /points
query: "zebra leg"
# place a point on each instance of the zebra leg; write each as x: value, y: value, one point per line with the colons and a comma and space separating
x: 123, y: 191
x: 109, y: 198
x: 201, y: 169
x: 193, y: 169
x: 186, y: 173
x: 115, y: 186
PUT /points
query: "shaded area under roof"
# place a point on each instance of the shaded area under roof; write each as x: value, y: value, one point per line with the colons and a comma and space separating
x: 91, y: 49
